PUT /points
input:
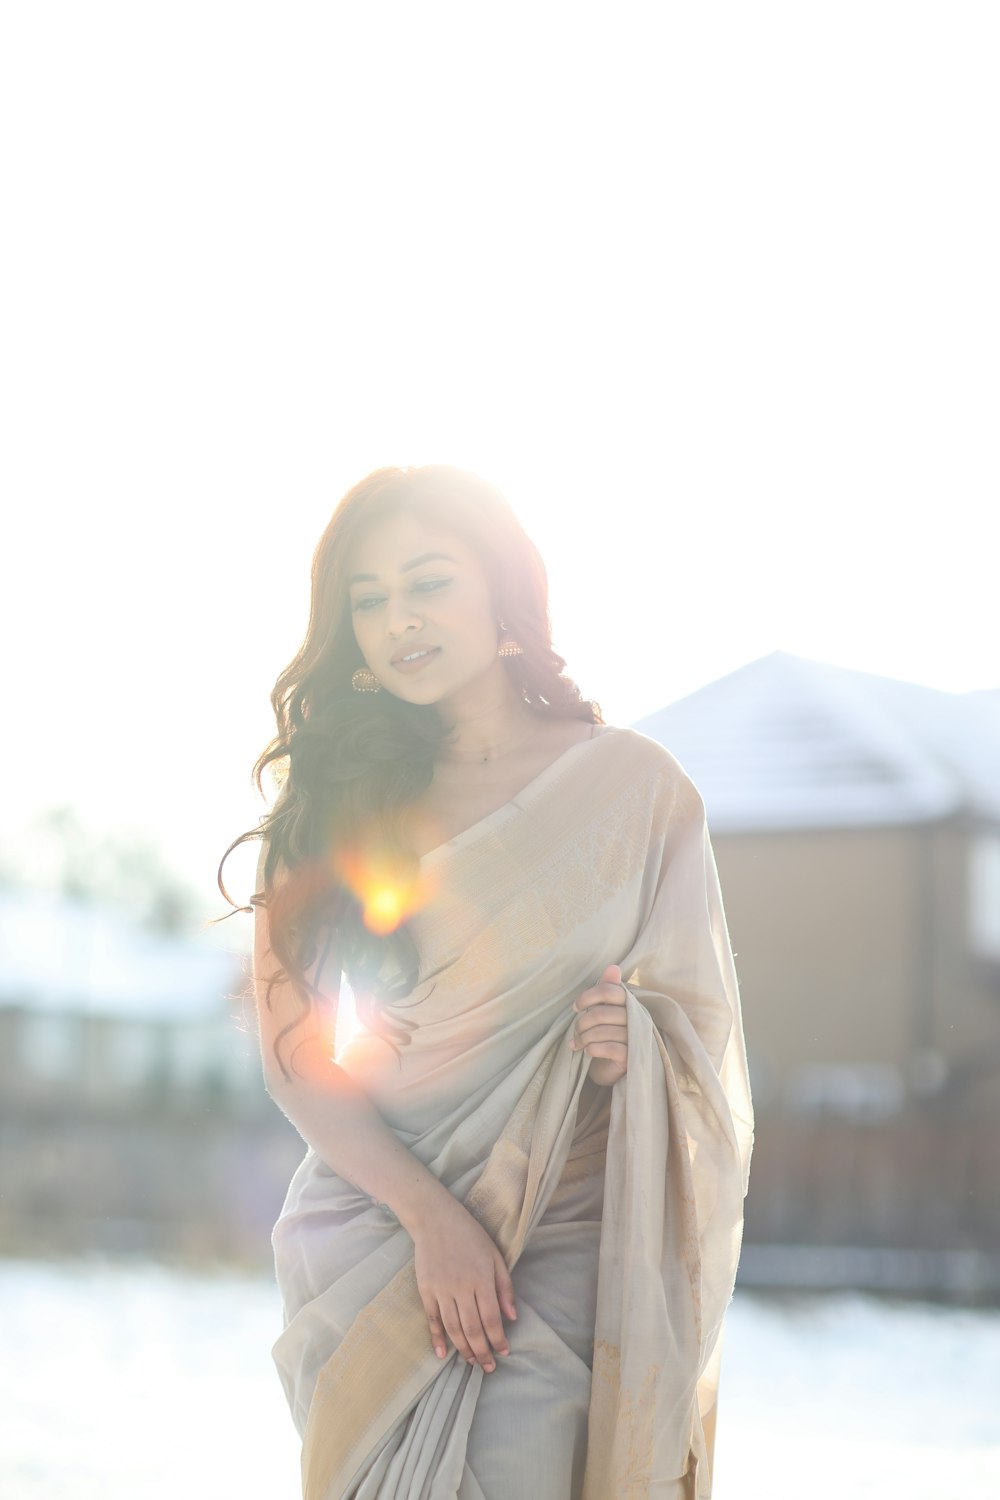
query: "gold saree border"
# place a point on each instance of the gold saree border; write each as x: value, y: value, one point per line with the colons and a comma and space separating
x: 385, y: 1360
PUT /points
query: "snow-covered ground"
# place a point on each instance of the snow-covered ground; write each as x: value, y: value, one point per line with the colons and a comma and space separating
x: 147, y: 1383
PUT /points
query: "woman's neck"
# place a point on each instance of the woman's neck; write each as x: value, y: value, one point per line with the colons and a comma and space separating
x: 487, y: 732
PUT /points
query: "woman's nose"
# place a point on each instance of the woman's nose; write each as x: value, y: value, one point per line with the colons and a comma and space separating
x: 400, y: 614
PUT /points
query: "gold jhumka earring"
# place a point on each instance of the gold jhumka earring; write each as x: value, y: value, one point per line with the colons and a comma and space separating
x: 508, y: 646
x: 364, y: 681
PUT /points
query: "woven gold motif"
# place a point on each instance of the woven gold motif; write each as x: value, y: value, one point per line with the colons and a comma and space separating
x: 636, y: 1192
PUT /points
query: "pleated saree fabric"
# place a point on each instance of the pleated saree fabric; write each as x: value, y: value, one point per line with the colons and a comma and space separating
x: 619, y: 1210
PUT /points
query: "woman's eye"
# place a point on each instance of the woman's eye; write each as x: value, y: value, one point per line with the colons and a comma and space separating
x: 425, y: 585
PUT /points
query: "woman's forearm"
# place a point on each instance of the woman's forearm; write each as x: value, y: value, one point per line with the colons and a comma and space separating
x: 334, y: 1116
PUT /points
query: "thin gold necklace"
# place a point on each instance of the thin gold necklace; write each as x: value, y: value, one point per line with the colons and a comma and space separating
x: 491, y: 754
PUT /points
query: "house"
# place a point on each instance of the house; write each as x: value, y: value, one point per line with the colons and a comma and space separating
x: 96, y: 1013
x: 133, y: 1114
x: 856, y: 825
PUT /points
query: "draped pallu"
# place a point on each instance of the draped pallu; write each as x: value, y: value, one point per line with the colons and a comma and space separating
x: 619, y: 1211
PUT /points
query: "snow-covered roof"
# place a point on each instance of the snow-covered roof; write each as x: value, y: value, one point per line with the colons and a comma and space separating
x: 61, y: 954
x: 786, y: 742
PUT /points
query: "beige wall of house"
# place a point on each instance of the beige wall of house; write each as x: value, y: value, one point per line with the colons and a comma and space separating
x: 852, y: 945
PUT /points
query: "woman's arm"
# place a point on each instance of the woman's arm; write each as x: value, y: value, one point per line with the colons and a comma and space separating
x: 326, y: 1105
x: 459, y: 1268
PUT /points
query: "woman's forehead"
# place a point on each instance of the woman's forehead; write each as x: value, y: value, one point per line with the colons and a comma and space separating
x: 389, y: 544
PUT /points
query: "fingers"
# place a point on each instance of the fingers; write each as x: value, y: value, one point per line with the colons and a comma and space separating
x: 601, y: 1032
x: 602, y: 1013
x: 492, y: 1324
x: 436, y: 1327
x: 453, y: 1323
x: 476, y: 1335
x: 599, y: 1036
x: 474, y: 1326
x: 612, y: 1051
x: 601, y: 994
x: 505, y: 1288
x: 465, y: 1287
x: 596, y: 1015
x: 599, y: 1023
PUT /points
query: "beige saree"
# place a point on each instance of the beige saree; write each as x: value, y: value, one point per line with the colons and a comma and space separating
x: 619, y: 1211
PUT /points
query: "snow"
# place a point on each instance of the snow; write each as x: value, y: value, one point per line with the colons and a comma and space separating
x: 786, y: 743
x: 172, y: 1391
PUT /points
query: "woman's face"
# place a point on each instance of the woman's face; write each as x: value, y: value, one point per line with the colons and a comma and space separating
x: 414, y: 601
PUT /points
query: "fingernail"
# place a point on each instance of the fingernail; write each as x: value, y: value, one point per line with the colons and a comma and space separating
x: 439, y: 1351
x: 489, y: 1369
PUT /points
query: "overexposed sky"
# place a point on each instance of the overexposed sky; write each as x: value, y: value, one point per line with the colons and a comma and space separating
x: 710, y: 292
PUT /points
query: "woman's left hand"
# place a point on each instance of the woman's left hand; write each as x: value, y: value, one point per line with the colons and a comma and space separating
x: 602, y: 1030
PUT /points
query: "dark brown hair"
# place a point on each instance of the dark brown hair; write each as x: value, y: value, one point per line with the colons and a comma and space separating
x: 345, y: 762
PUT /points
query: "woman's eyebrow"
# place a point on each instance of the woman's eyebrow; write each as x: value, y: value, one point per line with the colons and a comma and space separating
x: 413, y: 563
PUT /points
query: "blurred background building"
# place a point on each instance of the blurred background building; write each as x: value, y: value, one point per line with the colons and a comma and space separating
x: 132, y: 1111
x: 856, y: 825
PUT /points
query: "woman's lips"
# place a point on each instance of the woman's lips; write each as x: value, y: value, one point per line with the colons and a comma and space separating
x: 420, y: 661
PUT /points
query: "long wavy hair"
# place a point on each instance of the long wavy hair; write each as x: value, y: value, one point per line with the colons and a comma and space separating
x: 345, y: 763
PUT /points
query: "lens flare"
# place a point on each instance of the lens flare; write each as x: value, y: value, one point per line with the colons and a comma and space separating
x: 389, y: 887
x: 383, y: 908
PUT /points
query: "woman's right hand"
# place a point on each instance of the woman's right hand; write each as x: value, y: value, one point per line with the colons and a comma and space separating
x: 464, y: 1284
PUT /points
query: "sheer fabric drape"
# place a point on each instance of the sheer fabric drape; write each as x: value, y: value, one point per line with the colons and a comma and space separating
x: 619, y: 1211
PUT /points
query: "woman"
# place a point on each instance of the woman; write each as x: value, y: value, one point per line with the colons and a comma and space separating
x: 506, y: 1256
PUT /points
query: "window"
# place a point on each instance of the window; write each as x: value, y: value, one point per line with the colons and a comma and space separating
x: 984, y: 896
x: 51, y: 1046
x: 854, y: 1091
